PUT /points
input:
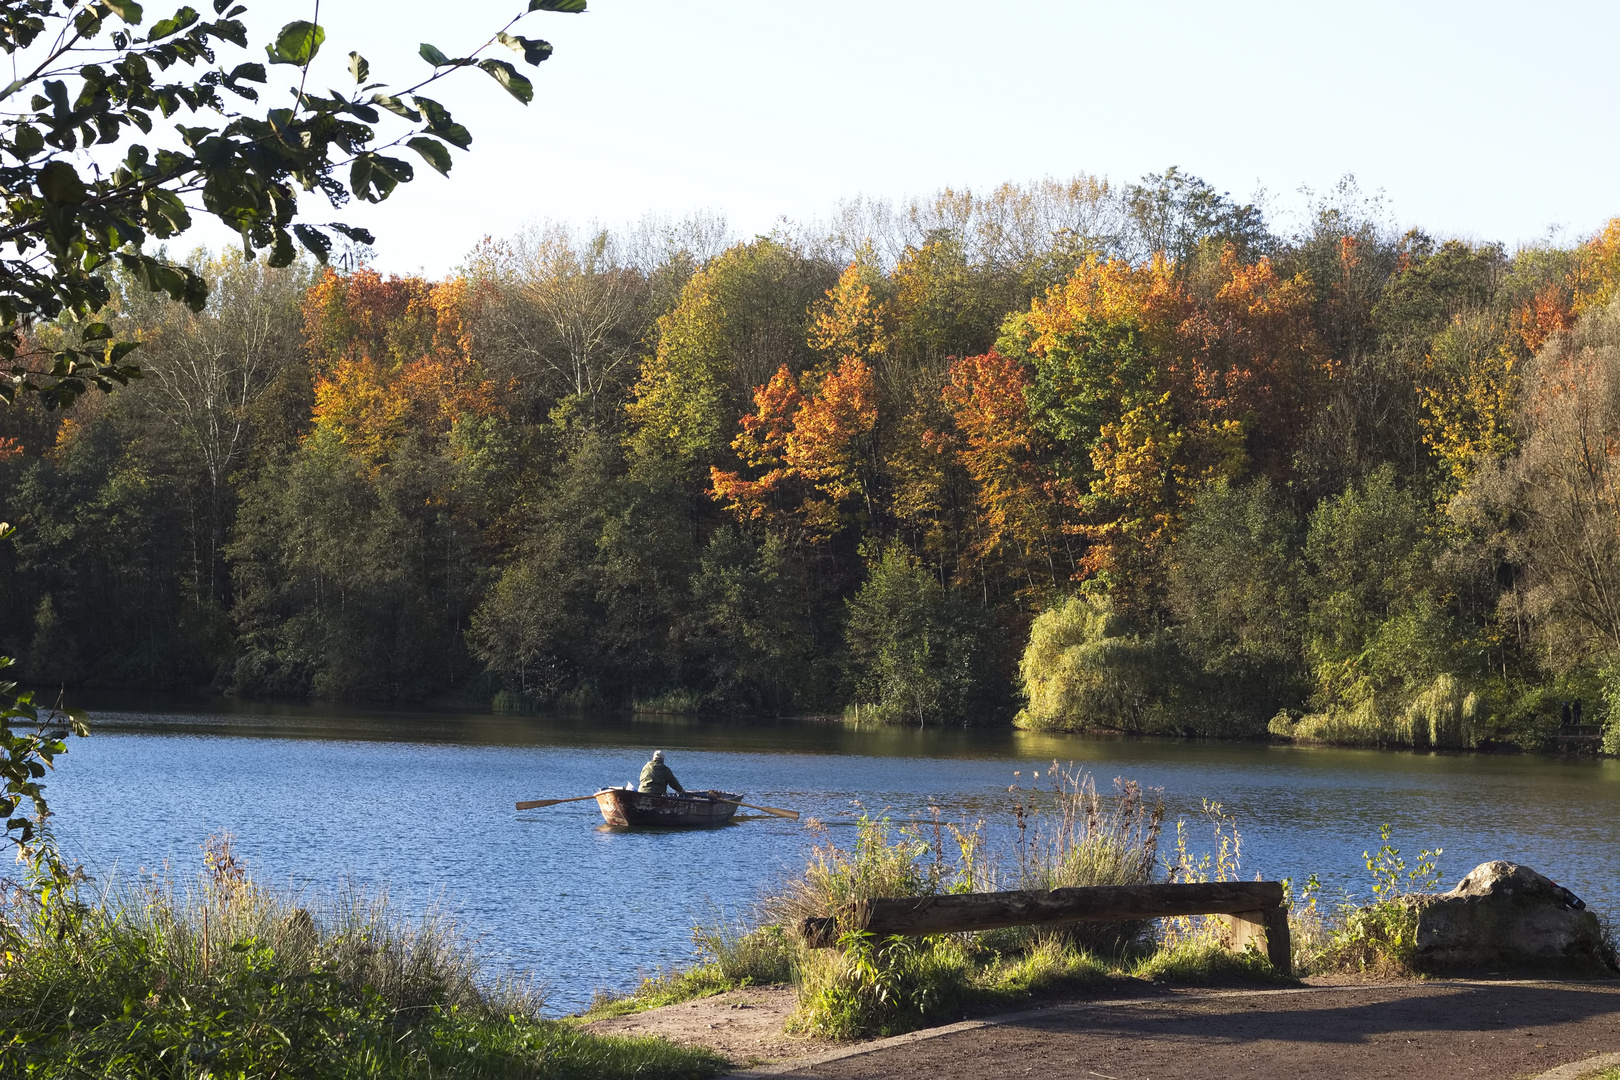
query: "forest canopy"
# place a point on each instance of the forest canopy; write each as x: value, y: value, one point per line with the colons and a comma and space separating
x: 1071, y: 454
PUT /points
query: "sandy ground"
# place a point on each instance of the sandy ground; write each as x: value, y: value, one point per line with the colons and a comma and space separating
x: 1427, y: 1030
x: 744, y: 1025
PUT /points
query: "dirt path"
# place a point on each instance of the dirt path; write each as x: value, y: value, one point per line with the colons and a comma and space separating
x: 744, y: 1025
x: 1411, y: 1031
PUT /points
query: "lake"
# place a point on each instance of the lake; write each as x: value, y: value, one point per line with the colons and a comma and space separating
x: 422, y: 805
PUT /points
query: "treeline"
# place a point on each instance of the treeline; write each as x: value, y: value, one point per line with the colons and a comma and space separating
x: 1094, y: 456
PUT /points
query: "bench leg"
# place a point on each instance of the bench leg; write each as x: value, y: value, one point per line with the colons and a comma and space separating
x: 1267, y: 931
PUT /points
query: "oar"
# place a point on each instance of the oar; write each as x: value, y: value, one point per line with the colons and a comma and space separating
x: 533, y: 803
x: 778, y: 811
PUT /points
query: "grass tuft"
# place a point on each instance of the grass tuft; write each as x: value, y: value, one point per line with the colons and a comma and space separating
x: 731, y: 957
x: 1200, y: 963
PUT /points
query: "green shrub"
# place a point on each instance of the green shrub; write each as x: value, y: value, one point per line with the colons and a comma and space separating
x: 1381, y: 937
x: 880, y: 986
x: 1083, y: 669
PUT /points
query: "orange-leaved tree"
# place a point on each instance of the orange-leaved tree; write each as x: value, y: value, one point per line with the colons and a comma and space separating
x: 393, y: 360
x: 1105, y: 347
x: 813, y: 453
x: 1021, y: 498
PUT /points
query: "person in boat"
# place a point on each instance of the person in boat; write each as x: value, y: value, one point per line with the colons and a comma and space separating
x: 656, y: 777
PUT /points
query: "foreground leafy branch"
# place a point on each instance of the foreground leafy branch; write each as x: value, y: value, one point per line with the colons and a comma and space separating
x: 88, y: 175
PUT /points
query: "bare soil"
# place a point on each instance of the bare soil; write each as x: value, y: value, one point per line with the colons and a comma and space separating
x: 744, y: 1025
x: 1340, y: 1029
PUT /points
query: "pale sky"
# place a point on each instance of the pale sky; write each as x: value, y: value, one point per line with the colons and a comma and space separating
x: 1487, y: 120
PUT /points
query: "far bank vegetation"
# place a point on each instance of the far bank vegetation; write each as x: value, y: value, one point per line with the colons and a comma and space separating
x: 1075, y: 455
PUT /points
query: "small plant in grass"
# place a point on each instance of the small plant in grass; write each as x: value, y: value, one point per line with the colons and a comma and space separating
x: 1309, y: 932
x: 1189, y: 936
x: 1381, y: 937
x: 1048, y: 963
x: 879, y: 986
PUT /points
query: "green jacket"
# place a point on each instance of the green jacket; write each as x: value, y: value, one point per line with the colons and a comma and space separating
x: 655, y: 777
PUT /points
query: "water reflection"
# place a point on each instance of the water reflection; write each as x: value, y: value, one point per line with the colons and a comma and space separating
x: 422, y: 804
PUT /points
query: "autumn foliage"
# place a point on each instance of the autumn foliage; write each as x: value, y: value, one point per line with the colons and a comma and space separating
x: 1295, y: 486
x: 394, y: 360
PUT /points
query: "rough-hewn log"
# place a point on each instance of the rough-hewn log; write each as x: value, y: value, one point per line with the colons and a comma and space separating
x: 965, y: 912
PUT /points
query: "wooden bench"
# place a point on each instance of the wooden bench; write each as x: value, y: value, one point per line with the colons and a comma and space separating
x: 1253, y: 910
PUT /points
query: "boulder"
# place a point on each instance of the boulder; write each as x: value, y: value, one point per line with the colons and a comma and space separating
x: 1505, y: 918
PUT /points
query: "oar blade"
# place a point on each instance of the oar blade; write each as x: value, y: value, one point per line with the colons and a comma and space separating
x: 777, y: 810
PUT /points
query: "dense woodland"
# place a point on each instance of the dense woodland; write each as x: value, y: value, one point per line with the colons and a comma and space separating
x: 1067, y: 453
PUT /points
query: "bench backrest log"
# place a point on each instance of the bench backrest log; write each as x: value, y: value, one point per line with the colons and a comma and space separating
x: 1254, y: 911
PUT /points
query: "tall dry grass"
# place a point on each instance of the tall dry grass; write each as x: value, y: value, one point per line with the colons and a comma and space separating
x: 1067, y: 834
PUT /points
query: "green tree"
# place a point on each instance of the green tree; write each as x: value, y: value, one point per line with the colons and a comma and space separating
x: 1176, y: 214
x: 1378, y: 638
x: 917, y: 652
x: 1084, y: 667
x: 1234, y: 587
x: 752, y: 631
x: 739, y: 319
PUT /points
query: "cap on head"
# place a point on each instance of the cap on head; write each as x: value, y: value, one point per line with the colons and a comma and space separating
x: 658, y: 755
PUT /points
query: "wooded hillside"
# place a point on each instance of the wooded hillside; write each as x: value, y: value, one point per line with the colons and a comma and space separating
x: 1087, y: 455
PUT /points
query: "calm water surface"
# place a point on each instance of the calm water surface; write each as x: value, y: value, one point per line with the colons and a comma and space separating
x: 422, y: 805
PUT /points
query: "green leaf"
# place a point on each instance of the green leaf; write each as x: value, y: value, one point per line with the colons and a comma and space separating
x: 533, y: 49
x: 282, y: 252
x: 29, y: 141
x: 507, y: 75
x: 433, y: 55
x: 568, y: 7
x: 182, y: 19
x: 440, y: 124
x: 398, y: 171
x: 396, y: 106
x: 60, y: 185
x: 318, y: 243
x: 358, y: 235
x: 297, y: 44
x: 434, y: 152
x: 358, y: 67
x: 374, y: 177
x: 127, y: 10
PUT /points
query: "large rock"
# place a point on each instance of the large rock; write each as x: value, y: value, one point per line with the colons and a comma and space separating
x: 1505, y: 918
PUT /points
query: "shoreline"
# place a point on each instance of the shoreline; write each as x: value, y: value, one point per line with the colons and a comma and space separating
x: 201, y: 702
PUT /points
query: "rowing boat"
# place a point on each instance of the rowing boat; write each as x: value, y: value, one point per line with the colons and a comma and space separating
x: 621, y: 806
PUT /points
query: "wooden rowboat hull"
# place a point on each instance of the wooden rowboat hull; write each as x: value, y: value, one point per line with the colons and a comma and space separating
x: 703, y: 810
